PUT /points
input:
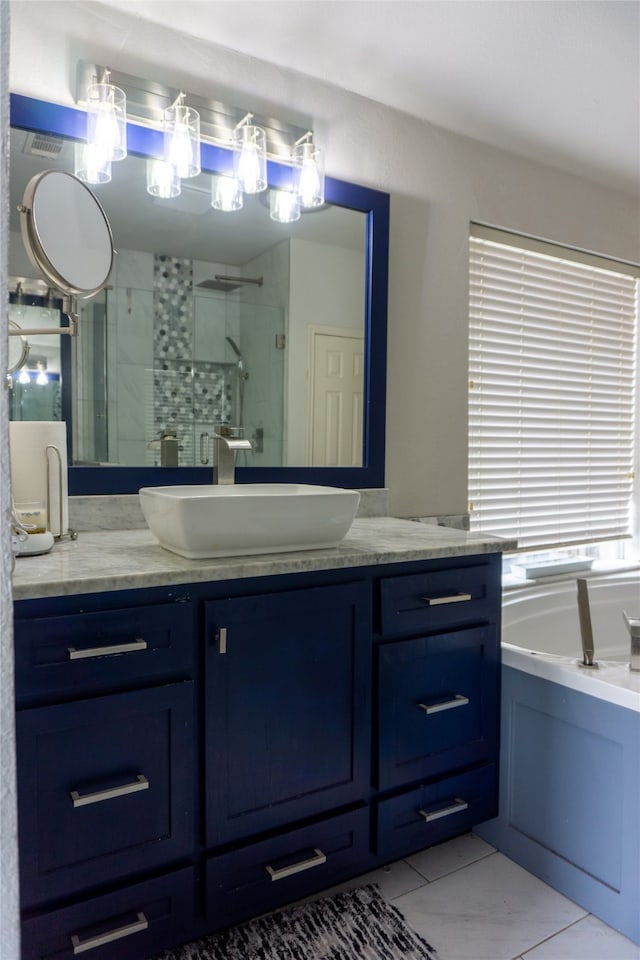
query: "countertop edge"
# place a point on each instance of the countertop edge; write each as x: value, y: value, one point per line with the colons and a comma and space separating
x: 132, y: 559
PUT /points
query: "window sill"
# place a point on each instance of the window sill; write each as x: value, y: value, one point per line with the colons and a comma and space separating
x: 600, y: 568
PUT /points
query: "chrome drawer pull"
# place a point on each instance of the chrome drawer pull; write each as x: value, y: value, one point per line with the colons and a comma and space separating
x: 458, y: 701
x: 309, y: 864
x: 81, y: 946
x: 83, y: 800
x: 456, y: 807
x: 138, y: 644
x: 452, y: 598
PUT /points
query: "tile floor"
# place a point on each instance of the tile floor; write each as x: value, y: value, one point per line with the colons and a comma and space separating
x: 472, y: 903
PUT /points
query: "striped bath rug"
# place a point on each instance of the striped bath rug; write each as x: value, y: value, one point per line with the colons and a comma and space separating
x: 356, y: 925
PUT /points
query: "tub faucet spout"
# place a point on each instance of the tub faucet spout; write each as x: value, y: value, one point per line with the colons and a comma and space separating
x: 586, y: 630
x: 633, y: 626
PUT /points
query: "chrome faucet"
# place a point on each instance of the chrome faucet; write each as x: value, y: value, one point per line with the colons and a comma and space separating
x: 226, y: 443
x: 633, y: 626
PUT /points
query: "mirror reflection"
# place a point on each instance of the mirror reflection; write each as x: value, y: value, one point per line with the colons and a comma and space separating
x: 34, y: 392
x: 208, y: 317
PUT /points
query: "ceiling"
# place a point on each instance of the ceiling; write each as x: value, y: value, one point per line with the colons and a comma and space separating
x: 554, y: 80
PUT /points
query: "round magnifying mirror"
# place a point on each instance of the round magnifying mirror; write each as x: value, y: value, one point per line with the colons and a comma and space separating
x: 66, y: 233
x: 18, y: 349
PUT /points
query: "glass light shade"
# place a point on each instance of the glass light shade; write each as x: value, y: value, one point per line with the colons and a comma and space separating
x: 182, y: 140
x: 24, y: 376
x: 225, y: 193
x: 162, y: 180
x: 309, y: 174
x: 250, y: 158
x: 90, y: 164
x: 42, y: 379
x: 284, y: 206
x: 107, y: 121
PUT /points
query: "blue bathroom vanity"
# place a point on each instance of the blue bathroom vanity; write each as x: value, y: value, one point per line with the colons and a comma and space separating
x: 202, y: 741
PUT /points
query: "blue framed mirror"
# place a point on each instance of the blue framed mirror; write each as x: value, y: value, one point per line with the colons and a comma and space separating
x: 219, y: 317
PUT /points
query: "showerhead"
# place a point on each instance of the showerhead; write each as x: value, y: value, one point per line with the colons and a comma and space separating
x: 222, y: 286
x: 226, y: 284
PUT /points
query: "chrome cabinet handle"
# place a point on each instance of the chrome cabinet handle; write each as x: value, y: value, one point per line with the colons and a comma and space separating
x: 451, y: 598
x: 221, y: 637
x: 137, y: 644
x: 457, y: 701
x: 81, y: 946
x: 309, y: 864
x: 83, y: 800
x: 456, y: 807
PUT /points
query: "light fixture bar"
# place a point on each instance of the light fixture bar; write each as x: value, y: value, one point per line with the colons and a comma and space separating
x: 146, y: 101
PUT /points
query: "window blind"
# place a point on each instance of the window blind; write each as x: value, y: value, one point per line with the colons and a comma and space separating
x: 552, y: 396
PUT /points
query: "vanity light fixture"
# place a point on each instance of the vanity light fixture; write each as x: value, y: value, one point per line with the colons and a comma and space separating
x: 284, y: 206
x: 308, y: 171
x: 106, y: 121
x: 90, y: 164
x: 42, y: 379
x: 252, y: 139
x: 24, y: 377
x: 250, y: 158
x: 226, y: 193
x: 182, y: 138
x: 162, y: 180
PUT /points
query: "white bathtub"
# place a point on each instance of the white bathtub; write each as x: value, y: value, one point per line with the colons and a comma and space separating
x: 570, y: 747
x: 541, y: 635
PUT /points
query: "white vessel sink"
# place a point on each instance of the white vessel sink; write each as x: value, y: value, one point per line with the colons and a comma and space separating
x: 200, y: 521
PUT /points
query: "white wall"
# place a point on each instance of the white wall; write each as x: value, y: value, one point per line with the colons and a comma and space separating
x: 437, y: 181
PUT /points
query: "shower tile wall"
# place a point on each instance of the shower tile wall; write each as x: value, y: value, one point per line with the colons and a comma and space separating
x: 266, y: 312
x: 129, y: 355
x: 167, y: 360
x: 192, y: 388
x: 170, y: 364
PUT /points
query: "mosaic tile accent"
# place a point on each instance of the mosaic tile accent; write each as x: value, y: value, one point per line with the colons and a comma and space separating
x: 173, y: 307
x: 185, y: 393
x: 213, y: 391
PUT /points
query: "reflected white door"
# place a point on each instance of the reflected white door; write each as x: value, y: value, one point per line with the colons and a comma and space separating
x: 335, y: 398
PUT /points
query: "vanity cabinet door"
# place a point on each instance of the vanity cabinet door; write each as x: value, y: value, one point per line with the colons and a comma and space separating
x: 129, y: 923
x: 105, y: 789
x: 286, y: 867
x: 433, y: 812
x: 437, y: 704
x: 288, y: 680
x: 71, y: 655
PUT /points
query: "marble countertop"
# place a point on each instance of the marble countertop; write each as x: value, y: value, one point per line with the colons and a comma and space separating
x: 124, y: 559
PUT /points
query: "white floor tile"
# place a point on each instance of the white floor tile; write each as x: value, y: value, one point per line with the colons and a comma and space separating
x: 446, y: 857
x: 491, y: 910
x: 394, y: 881
x: 589, y: 939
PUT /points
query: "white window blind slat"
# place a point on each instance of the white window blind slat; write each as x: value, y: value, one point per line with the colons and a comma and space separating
x: 552, y: 348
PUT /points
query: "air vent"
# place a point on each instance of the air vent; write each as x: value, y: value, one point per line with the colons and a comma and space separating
x: 38, y: 145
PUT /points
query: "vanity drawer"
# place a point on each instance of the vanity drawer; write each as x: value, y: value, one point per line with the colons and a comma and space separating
x: 104, y: 789
x: 83, y: 653
x: 429, y: 814
x: 437, y: 704
x: 440, y: 599
x: 254, y: 879
x: 129, y: 924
